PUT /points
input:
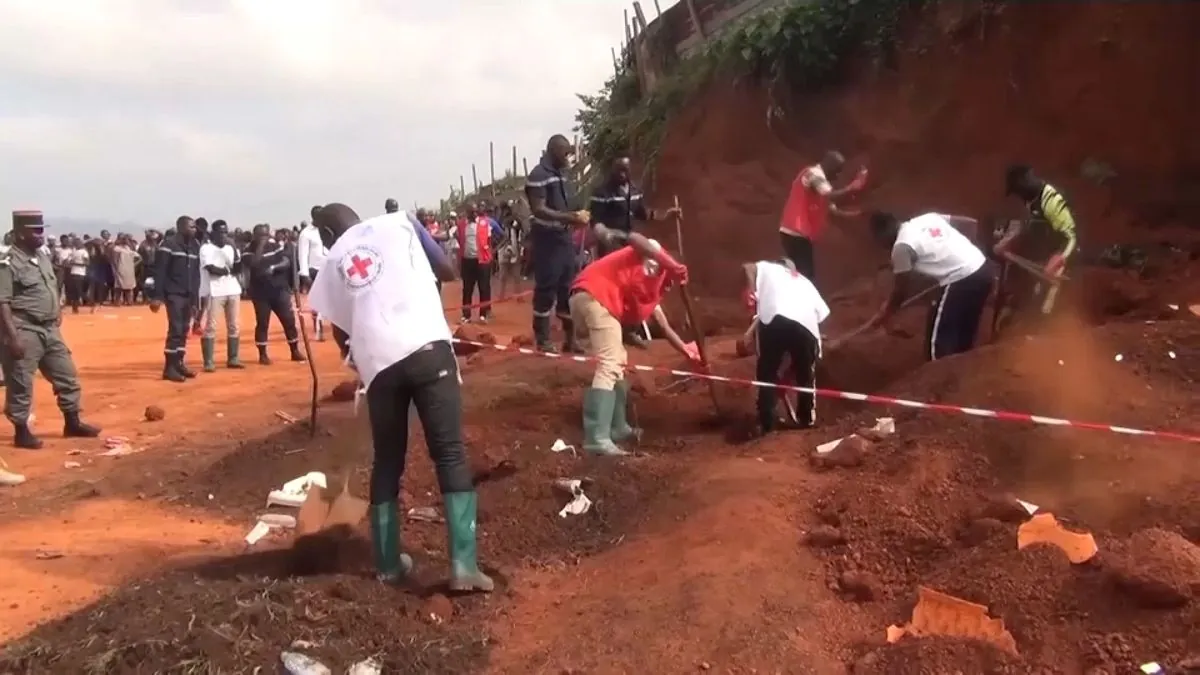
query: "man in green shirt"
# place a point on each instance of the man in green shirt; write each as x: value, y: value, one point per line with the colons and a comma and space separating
x: 1048, y: 238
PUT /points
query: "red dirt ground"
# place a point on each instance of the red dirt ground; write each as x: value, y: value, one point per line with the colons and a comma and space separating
x: 701, y: 555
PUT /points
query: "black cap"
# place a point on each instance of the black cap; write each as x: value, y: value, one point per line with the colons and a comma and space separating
x: 391, y: 204
x: 27, y: 218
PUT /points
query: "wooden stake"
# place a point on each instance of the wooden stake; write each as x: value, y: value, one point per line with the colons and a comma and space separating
x: 462, y: 187
x: 492, y: 164
x: 514, y: 161
x: 698, y: 334
x: 641, y: 16
x: 657, y: 8
x: 691, y: 7
x: 475, y: 179
x: 525, y: 165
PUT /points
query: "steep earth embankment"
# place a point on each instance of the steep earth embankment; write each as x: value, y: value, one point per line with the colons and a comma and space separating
x: 1078, y: 90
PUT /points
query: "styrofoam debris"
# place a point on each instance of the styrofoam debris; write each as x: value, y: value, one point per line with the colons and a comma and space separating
x: 1173, y: 308
x: 425, y: 514
x: 1118, y: 358
x: 1151, y: 668
x: 1030, y: 508
x: 295, y: 491
x: 257, y: 532
x: 366, y: 667
x: 299, y: 664
x: 560, y: 445
x: 825, y: 448
x: 885, y: 426
x: 278, y: 520
x: 577, y: 506
x: 71, y: 465
x: 1171, y: 354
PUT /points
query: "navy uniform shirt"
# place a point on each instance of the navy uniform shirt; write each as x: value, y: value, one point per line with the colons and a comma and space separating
x: 548, y: 183
x: 617, y: 206
x: 177, y: 268
x: 270, y: 272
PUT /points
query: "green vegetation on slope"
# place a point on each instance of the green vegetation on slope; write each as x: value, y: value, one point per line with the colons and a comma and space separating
x: 802, y: 44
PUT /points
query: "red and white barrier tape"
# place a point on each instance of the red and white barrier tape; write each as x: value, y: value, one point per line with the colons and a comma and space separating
x: 869, y: 398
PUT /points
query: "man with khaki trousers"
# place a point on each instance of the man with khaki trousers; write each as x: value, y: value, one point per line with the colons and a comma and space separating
x: 624, y: 287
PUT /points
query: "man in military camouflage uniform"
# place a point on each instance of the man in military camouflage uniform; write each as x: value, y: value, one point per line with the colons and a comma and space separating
x: 29, y: 328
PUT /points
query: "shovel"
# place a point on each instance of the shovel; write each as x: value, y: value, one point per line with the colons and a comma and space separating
x: 317, y: 515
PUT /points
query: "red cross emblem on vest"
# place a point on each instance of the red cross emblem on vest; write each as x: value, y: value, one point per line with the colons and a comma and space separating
x: 361, y: 267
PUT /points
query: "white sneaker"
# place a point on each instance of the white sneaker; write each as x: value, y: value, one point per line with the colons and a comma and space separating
x: 483, y: 319
x: 464, y: 321
x: 10, y: 479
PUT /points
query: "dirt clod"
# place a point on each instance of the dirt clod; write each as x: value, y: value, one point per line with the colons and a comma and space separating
x: 437, y: 609
x: 824, y: 536
x: 858, y: 585
x: 980, y: 530
x: 154, y: 413
x: 1004, y: 508
x: 1156, y: 569
x: 472, y: 334
x: 344, y: 391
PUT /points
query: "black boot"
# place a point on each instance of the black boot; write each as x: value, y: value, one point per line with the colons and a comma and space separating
x: 263, y: 359
x: 24, y: 438
x: 296, y: 355
x: 181, y: 365
x: 73, y: 427
x: 171, y: 369
x: 541, y: 335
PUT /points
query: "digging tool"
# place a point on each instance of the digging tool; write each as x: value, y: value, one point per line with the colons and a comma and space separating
x: 308, y: 354
x: 698, y: 332
x: 316, y: 514
x: 1034, y: 269
x: 679, y: 243
x: 867, y: 326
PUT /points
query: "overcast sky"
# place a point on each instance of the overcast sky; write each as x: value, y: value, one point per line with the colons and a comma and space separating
x: 253, y: 110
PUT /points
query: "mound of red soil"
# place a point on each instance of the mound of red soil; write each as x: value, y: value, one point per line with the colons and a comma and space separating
x: 934, y: 656
x: 473, y: 334
x: 928, y: 505
x: 1157, y: 569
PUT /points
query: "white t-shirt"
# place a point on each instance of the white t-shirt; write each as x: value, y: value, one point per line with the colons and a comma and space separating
x: 378, y: 286
x: 78, y: 260
x: 929, y: 245
x: 311, y: 250
x: 218, y: 256
x: 782, y: 292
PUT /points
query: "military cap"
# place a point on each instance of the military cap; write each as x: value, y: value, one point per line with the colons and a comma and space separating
x: 27, y: 218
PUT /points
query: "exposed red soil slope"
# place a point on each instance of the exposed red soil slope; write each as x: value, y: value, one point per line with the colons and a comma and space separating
x: 1055, y: 85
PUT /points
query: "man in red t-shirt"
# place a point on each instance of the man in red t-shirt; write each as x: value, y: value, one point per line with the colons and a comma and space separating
x: 809, y: 204
x: 623, y: 287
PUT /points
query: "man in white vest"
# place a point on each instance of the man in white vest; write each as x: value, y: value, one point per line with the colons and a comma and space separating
x: 377, y: 289
x: 940, y: 248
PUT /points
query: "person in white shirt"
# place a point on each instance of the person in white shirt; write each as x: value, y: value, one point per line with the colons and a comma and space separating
x: 790, y: 311
x: 941, y: 248
x: 220, y: 263
x: 310, y: 256
x: 377, y: 289
x: 77, y: 260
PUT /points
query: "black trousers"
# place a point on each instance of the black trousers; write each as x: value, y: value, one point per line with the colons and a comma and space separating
x: 554, y: 270
x: 427, y: 380
x: 953, y: 322
x: 800, y: 251
x: 785, y: 337
x: 179, y: 321
x: 278, y: 302
x: 475, y: 274
x: 76, y: 287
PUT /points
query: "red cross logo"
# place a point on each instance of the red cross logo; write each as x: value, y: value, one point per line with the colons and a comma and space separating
x: 935, y: 232
x: 359, y: 267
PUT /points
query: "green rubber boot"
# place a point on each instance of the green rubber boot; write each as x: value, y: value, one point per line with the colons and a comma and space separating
x: 621, y: 431
x: 598, y: 406
x: 207, y: 348
x: 231, y: 351
x: 391, y: 565
x: 460, y: 526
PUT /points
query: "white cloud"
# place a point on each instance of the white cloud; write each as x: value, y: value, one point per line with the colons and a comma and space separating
x: 145, y: 108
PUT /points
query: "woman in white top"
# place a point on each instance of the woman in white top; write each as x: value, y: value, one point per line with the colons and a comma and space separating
x: 77, y: 260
